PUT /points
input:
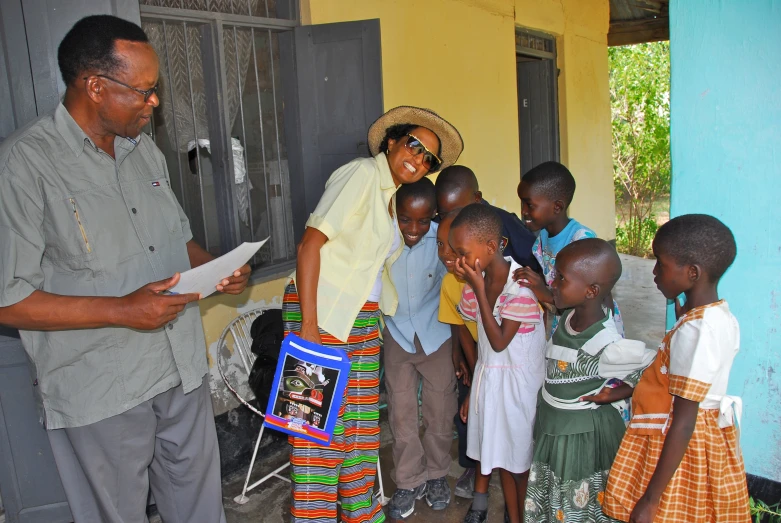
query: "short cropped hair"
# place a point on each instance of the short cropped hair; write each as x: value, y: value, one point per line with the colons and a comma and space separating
x: 480, y: 221
x: 456, y: 178
x: 89, y: 46
x: 698, y: 239
x: 552, y: 180
x: 423, y: 189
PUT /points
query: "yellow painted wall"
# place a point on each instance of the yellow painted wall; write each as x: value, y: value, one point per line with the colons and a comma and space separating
x: 470, y: 43
x: 457, y: 57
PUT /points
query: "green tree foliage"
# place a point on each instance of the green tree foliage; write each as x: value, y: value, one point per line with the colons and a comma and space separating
x: 640, y: 105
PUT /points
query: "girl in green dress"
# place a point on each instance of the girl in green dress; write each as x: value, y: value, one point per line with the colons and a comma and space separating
x: 590, y: 372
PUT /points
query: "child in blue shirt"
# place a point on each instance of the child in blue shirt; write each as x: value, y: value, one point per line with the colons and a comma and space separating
x: 417, y: 347
x: 546, y: 192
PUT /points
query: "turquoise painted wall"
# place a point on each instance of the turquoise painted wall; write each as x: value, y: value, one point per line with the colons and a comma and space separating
x: 726, y: 157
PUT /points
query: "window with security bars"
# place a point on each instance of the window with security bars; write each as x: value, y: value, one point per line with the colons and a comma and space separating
x: 220, y: 122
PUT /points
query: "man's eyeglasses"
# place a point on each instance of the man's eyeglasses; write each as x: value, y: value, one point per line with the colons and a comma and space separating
x: 430, y: 160
x: 146, y: 94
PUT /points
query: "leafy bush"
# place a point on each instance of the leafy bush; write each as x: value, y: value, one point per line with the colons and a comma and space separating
x: 762, y: 513
x: 640, y: 106
x: 635, y: 236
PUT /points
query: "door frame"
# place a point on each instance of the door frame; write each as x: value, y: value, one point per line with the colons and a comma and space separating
x: 545, y: 53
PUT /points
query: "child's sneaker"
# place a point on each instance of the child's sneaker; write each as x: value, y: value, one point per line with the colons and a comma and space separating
x: 402, y: 504
x: 465, y: 485
x: 438, y: 494
x: 476, y: 516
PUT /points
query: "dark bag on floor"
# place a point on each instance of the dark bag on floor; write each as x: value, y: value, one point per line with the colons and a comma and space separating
x: 267, y: 332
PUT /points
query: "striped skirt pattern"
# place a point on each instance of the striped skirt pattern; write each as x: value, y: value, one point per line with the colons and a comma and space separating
x: 347, y: 467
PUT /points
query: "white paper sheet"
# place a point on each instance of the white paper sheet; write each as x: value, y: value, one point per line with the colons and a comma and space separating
x: 203, y: 280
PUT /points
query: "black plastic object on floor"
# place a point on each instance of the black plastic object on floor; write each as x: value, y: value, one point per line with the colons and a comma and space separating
x: 267, y: 332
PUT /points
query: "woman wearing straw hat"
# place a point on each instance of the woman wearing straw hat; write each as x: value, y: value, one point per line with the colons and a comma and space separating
x: 335, y: 297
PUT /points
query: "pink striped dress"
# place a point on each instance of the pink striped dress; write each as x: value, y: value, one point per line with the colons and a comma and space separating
x: 503, y: 398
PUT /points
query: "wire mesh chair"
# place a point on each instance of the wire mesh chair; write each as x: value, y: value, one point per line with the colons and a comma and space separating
x: 239, y: 331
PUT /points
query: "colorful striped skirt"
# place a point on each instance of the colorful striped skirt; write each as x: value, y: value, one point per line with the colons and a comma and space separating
x: 347, y: 467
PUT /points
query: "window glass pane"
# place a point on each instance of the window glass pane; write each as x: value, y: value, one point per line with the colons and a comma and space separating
x: 262, y: 180
x: 179, y: 120
x: 284, y: 9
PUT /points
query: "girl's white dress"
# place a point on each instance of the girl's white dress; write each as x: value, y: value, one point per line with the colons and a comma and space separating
x: 503, y: 399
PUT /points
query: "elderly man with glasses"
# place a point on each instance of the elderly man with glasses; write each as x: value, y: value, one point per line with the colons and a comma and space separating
x: 91, y: 237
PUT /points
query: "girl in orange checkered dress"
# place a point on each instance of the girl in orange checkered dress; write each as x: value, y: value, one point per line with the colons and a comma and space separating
x: 680, y: 459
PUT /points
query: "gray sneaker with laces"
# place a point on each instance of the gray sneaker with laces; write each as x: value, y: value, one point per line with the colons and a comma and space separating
x: 402, y: 504
x: 465, y: 486
x: 438, y: 495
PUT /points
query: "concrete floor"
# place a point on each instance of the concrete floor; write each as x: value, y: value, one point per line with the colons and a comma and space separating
x: 643, y: 310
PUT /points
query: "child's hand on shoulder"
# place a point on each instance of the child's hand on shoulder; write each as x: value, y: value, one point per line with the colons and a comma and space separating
x: 526, y: 277
x: 474, y: 277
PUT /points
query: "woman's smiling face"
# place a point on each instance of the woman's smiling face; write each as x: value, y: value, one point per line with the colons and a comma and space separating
x: 404, y: 167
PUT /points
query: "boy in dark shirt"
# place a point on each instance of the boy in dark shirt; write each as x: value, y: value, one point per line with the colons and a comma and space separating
x: 457, y: 187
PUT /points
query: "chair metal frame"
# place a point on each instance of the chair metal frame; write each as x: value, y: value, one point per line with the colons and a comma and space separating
x: 239, y: 330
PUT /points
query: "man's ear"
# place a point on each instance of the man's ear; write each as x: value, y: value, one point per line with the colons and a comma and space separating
x: 592, y: 291
x: 694, y: 273
x: 95, y: 88
x: 478, y: 196
x: 559, y: 206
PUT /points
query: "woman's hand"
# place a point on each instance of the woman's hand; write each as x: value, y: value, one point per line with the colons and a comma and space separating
x: 310, y: 333
x: 474, y: 277
x: 644, y: 511
x: 531, y: 280
x: 463, y: 412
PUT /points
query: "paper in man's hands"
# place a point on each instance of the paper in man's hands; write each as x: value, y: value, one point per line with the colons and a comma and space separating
x: 203, y: 280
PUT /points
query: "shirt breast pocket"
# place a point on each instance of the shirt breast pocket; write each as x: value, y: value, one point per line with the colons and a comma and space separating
x: 68, y: 237
x: 166, y: 204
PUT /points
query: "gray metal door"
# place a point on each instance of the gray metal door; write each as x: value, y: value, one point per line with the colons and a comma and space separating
x: 31, y: 488
x: 537, y: 113
x: 30, y: 32
x: 339, y: 83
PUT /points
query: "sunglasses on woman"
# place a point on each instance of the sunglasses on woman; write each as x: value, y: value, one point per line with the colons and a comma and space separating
x: 415, y: 147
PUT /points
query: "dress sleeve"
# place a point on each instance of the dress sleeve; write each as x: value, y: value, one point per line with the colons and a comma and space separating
x: 523, y: 308
x: 22, y: 240
x: 695, y: 358
x: 344, y: 194
x: 468, y: 305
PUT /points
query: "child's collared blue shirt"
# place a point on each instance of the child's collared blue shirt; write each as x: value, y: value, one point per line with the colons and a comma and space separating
x: 417, y: 275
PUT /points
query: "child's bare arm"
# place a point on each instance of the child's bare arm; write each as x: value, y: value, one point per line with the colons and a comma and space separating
x: 608, y: 395
x: 469, y: 347
x: 459, y: 362
x: 499, y: 336
x: 675, y: 444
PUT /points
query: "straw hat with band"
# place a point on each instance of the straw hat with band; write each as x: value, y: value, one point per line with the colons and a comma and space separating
x: 450, y: 140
